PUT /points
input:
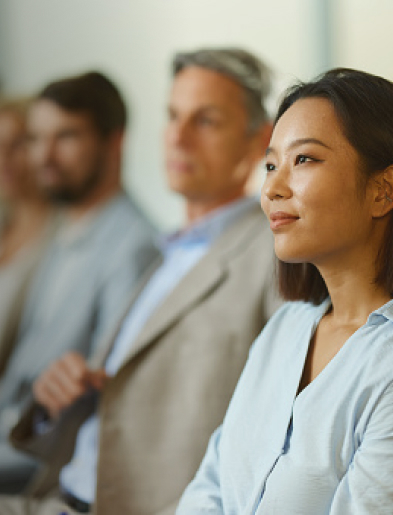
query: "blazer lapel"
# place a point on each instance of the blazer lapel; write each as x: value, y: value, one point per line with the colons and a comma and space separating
x: 207, y: 275
x: 99, y: 358
x: 201, y: 280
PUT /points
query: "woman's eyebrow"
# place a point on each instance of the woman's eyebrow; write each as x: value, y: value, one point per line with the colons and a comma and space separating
x: 299, y: 142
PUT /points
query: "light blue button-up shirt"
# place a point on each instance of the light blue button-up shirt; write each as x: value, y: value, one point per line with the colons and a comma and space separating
x: 181, y: 252
x: 327, y: 450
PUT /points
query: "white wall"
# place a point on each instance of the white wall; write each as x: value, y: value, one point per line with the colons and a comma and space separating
x: 133, y: 41
x: 365, y: 36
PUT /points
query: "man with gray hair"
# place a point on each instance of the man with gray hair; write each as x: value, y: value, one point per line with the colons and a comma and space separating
x: 125, y: 432
x: 241, y: 66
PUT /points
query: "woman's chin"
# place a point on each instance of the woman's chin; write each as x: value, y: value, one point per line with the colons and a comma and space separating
x: 292, y: 257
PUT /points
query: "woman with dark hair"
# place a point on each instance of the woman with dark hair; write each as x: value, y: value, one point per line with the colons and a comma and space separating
x: 26, y: 221
x: 309, y: 429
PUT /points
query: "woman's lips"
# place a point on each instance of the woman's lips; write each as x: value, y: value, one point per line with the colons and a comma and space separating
x: 280, y: 218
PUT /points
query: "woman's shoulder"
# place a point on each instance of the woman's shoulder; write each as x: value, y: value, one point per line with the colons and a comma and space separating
x: 289, y: 326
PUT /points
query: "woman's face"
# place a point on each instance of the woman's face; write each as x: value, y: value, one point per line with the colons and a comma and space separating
x: 15, y: 176
x: 313, y: 194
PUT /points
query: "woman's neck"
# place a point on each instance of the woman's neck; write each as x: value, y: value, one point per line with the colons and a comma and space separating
x: 353, y: 291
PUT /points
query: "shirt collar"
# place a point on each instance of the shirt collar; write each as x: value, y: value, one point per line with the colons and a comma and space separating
x: 72, y: 232
x: 210, y: 227
x: 378, y: 316
x: 381, y: 314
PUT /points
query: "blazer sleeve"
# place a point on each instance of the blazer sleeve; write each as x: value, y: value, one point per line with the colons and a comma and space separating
x: 367, y: 486
x: 203, y: 494
x: 61, y: 433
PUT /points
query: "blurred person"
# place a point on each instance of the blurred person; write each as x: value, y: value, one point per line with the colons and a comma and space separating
x: 309, y: 429
x: 102, y: 246
x: 26, y: 221
x: 142, y: 410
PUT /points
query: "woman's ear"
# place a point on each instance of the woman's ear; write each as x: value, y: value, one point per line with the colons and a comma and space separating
x: 383, y: 193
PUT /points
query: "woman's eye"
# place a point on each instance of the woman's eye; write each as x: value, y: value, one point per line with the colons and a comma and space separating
x: 270, y: 167
x: 301, y: 158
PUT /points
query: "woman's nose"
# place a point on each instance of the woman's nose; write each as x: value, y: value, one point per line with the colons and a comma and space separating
x: 276, y: 184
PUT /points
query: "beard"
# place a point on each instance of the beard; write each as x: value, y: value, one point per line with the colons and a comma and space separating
x: 69, y: 194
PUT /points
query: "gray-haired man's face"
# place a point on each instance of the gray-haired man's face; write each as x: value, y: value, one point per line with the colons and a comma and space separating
x: 209, y: 152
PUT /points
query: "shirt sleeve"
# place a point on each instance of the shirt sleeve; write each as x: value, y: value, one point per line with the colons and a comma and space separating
x: 367, y: 486
x: 203, y: 494
x: 42, y: 423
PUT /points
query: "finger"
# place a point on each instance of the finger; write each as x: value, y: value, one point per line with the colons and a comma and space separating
x: 62, y: 382
x: 45, y: 398
x: 69, y: 385
x: 74, y: 365
x: 97, y: 378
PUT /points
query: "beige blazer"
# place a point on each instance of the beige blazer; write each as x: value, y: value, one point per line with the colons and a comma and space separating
x: 172, y: 391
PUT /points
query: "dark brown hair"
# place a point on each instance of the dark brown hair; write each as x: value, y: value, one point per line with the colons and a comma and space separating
x: 363, y: 104
x: 92, y: 93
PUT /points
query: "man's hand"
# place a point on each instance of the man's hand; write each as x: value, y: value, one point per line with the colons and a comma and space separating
x: 63, y: 382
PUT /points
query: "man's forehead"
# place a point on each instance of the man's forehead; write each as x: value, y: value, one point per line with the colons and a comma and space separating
x: 198, y: 106
x: 202, y: 88
x: 49, y: 114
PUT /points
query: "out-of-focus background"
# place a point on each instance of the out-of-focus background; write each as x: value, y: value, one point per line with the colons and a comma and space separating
x: 133, y: 41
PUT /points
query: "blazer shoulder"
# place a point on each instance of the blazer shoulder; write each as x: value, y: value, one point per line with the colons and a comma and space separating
x: 122, y: 224
x: 251, y: 230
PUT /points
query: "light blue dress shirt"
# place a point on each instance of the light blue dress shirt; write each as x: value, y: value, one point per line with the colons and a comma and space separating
x: 327, y: 450
x: 181, y: 252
